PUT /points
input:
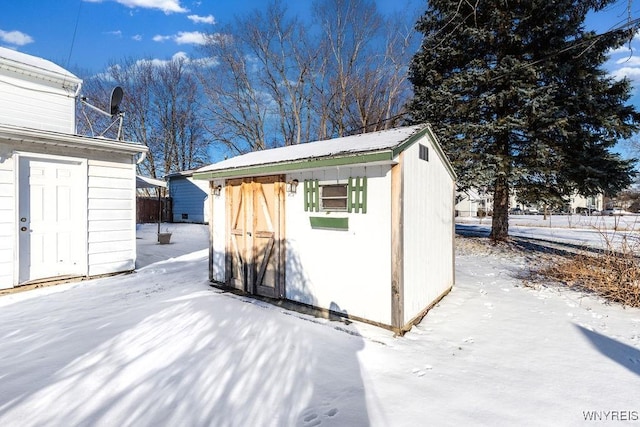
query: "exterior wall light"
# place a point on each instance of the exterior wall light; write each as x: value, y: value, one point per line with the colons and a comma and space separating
x: 217, y: 190
x: 292, y: 186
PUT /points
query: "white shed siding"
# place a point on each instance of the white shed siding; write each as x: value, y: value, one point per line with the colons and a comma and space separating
x: 428, y: 216
x: 218, y: 228
x: 7, y: 222
x: 347, y: 271
x: 111, y: 217
x: 27, y: 102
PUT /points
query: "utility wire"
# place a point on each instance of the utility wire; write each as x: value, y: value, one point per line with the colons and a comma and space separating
x: 75, y: 30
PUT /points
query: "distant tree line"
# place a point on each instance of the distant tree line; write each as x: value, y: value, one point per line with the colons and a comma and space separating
x: 266, y: 79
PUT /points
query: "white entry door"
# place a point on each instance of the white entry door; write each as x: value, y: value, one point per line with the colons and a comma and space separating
x: 51, y: 218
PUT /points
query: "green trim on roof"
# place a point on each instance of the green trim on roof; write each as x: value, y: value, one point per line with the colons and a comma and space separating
x: 409, y: 141
x: 274, y: 168
x: 434, y: 142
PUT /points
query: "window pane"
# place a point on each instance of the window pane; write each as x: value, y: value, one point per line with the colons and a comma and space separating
x: 333, y: 197
x: 334, y: 190
x: 334, y: 204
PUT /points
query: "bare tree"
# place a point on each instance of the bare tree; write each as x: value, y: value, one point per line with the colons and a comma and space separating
x: 175, y: 96
x: 160, y: 106
x: 259, y: 92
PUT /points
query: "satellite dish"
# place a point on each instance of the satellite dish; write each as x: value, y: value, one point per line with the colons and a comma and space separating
x: 116, y: 99
x: 114, y: 110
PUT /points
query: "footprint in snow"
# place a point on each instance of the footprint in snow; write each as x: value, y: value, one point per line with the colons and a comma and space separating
x: 422, y: 371
x: 312, y: 420
x: 332, y: 412
x: 488, y: 305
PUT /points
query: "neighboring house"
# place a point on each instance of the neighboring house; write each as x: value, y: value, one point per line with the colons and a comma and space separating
x: 473, y: 202
x: 467, y: 203
x: 189, y: 198
x: 575, y: 204
x: 472, y: 199
x: 585, y: 205
x: 67, y: 202
x: 361, y: 226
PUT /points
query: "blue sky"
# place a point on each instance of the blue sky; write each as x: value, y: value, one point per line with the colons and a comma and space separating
x: 114, y: 29
x: 85, y: 35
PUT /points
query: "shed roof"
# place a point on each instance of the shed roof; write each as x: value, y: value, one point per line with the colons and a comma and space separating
x: 381, y: 147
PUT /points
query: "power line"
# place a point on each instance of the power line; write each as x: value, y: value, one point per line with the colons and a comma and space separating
x: 75, y: 30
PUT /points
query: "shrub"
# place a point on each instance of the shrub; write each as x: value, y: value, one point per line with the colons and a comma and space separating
x: 613, y: 274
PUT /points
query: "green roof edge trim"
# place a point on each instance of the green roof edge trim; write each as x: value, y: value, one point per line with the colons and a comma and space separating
x: 409, y: 141
x: 274, y: 168
x: 427, y: 130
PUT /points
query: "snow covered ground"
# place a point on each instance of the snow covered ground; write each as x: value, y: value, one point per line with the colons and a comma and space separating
x: 160, y: 347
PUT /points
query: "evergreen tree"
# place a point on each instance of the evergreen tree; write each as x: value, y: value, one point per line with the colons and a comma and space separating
x: 519, y: 99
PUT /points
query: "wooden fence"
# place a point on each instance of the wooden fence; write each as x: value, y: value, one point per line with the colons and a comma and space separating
x: 148, y: 209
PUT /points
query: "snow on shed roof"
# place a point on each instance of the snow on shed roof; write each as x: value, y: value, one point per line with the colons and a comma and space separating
x: 348, y: 145
x: 24, y: 61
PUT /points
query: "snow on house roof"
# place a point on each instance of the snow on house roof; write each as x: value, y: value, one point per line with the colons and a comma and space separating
x: 28, y: 62
x: 348, y: 145
x: 148, y: 182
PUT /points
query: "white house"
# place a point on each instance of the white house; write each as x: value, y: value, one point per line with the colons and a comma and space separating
x: 361, y: 226
x: 67, y: 202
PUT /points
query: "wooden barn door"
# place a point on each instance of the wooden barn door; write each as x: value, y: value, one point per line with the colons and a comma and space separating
x: 255, y: 232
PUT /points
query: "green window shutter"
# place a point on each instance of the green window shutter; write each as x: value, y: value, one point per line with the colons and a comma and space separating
x: 357, y: 200
x: 311, y: 195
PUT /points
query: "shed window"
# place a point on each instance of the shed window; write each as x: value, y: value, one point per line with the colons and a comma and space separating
x: 333, y: 197
x: 349, y: 197
x: 424, y: 152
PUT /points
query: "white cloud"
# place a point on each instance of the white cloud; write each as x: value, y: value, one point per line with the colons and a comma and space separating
x: 202, y: 62
x: 629, y: 61
x: 624, y: 49
x: 16, y: 38
x: 116, y: 33
x: 632, y: 73
x: 160, y: 38
x: 184, y: 37
x: 137, y: 37
x: 167, y: 6
x: 209, y: 19
x: 192, y: 37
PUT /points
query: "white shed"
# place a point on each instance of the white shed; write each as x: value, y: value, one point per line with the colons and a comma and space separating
x: 361, y: 226
x: 67, y: 202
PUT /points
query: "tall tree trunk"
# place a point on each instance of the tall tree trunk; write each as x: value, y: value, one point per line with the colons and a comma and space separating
x: 500, y: 219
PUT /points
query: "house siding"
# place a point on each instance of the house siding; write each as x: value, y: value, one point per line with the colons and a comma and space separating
x: 7, y: 221
x: 346, y: 271
x: 189, y: 197
x: 111, y: 217
x: 27, y: 102
x: 428, y: 214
